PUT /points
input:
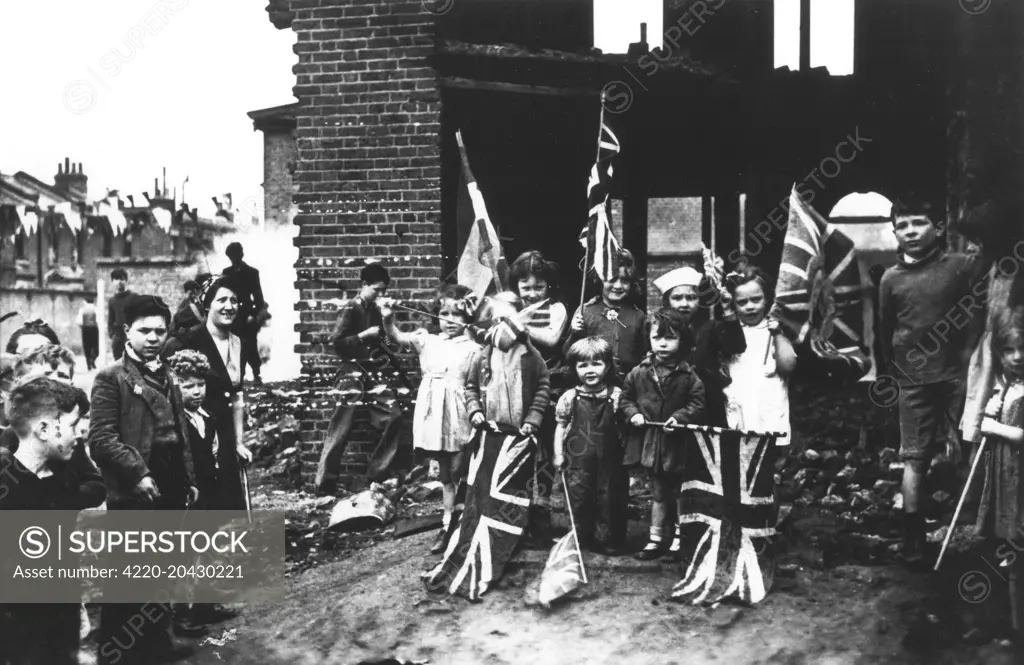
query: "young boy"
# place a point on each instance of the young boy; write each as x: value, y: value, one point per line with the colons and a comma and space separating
x: 926, y: 303
x: 191, y: 367
x: 115, y: 311
x: 44, y: 415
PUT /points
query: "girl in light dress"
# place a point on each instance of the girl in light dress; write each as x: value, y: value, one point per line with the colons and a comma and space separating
x: 441, y: 427
x: 1001, y: 512
x: 757, y: 399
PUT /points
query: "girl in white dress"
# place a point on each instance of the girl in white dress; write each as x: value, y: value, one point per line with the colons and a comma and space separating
x: 757, y: 399
x: 441, y: 427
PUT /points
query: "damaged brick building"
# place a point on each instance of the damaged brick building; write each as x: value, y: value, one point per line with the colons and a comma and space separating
x: 383, y: 86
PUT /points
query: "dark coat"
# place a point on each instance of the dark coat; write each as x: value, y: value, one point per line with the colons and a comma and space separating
x: 679, y: 395
x: 135, y: 431
x: 220, y: 396
x: 536, y: 387
x: 73, y: 486
x: 626, y: 333
x: 250, y: 300
x: 205, y: 464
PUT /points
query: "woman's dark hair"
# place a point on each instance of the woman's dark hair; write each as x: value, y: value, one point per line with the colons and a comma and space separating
x: 228, y: 283
x: 373, y: 273
x: 667, y: 319
x: 37, y: 327
x: 534, y: 264
x: 591, y: 348
x: 141, y: 306
x: 749, y: 274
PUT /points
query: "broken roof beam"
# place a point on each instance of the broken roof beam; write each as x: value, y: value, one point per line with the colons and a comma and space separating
x: 516, y: 88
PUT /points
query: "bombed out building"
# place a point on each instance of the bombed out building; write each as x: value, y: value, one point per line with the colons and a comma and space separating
x: 713, y: 135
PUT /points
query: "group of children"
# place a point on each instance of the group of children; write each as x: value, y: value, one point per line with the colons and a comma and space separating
x: 604, y: 392
x: 45, y: 464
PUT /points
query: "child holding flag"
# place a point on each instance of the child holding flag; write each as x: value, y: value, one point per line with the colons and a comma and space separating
x: 757, y: 399
x: 613, y: 317
x: 441, y: 426
x: 663, y: 389
x: 588, y: 445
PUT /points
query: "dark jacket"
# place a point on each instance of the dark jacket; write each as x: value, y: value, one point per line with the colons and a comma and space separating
x: 115, y: 313
x: 354, y: 317
x: 203, y: 460
x: 626, y: 333
x: 250, y: 300
x: 135, y: 431
x: 73, y: 486
x: 220, y: 396
x: 86, y: 473
x: 536, y: 386
x: 715, y: 342
x: 678, y: 395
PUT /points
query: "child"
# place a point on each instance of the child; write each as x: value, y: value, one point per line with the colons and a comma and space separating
x: 535, y: 280
x: 44, y: 415
x: 612, y: 317
x: 663, y: 389
x: 1001, y: 514
x: 191, y: 368
x: 588, y: 435
x: 926, y: 336
x: 52, y: 361
x: 757, y: 399
x: 441, y: 426
x: 508, y: 382
x: 714, y: 341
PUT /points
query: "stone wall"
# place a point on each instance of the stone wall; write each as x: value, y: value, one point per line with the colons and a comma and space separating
x: 59, y: 308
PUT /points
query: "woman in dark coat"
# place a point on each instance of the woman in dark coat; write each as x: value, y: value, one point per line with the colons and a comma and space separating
x: 227, y: 354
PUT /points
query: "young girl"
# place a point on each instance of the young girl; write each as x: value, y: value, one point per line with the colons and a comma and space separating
x: 508, y: 382
x: 588, y: 446
x: 714, y: 341
x: 441, y: 426
x: 1001, y: 514
x: 612, y: 317
x: 758, y: 397
x: 535, y: 280
x: 663, y: 389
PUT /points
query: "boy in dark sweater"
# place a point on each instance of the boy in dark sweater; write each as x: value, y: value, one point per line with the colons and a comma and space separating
x: 115, y: 311
x: 927, y: 304
x: 39, y: 476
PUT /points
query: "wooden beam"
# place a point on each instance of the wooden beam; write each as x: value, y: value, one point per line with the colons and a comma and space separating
x: 516, y: 88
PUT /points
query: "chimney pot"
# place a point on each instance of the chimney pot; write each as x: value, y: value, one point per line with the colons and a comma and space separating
x: 643, y: 33
x: 67, y: 165
x: 80, y: 168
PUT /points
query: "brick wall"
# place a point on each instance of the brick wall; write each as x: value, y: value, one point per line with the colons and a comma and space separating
x: 368, y: 176
x: 279, y: 156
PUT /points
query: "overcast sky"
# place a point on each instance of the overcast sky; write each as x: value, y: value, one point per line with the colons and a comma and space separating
x: 128, y: 87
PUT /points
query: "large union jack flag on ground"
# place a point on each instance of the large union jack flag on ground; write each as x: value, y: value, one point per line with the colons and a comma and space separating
x: 818, y: 297
x: 497, y: 503
x: 729, y: 526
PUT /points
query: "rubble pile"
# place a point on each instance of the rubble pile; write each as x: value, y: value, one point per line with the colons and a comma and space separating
x: 844, y: 461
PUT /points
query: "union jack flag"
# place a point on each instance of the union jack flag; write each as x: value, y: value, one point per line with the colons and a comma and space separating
x: 597, y: 236
x: 728, y: 490
x: 818, y: 297
x: 495, y: 514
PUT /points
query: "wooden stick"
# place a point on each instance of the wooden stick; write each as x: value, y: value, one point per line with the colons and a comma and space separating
x: 960, y: 503
x: 572, y: 523
x: 768, y: 349
x: 248, y: 497
x: 708, y: 428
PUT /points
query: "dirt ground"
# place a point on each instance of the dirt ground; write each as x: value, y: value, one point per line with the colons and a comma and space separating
x: 372, y: 606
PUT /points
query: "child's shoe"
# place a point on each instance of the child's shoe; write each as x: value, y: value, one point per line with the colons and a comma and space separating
x: 654, y: 548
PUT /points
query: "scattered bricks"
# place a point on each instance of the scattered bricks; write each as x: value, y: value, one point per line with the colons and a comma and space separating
x: 833, y: 502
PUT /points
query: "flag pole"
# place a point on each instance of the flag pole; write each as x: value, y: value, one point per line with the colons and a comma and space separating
x: 586, y: 250
x: 572, y: 523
